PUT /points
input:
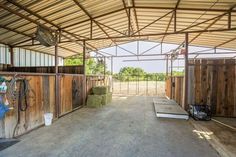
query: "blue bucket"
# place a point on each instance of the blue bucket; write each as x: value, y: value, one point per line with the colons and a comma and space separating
x: 3, y: 110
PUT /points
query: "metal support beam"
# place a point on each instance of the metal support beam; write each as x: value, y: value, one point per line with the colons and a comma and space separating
x: 167, y: 66
x: 160, y: 34
x: 129, y: 22
x: 91, y: 29
x: 149, y: 49
x: 171, y: 77
x: 127, y: 13
x: 84, y: 71
x: 12, y: 56
x: 161, y: 48
x: 175, y: 21
x: 183, y: 9
x: 37, y: 22
x: 111, y: 65
x: 228, y: 41
x: 135, y: 16
x: 57, y: 84
x: 104, y: 66
x: 229, y: 20
x: 151, y: 23
x: 211, y: 24
x: 186, y: 72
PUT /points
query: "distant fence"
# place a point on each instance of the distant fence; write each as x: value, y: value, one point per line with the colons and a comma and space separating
x: 148, y: 85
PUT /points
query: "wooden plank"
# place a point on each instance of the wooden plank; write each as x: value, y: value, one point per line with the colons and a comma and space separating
x: 168, y: 86
x: 52, y: 95
x: 77, y: 92
x: 203, y: 82
x: 197, y: 76
x: 39, y: 100
x: 229, y: 88
x: 220, y: 89
x: 191, y: 80
x: 66, y: 94
x: 44, y: 69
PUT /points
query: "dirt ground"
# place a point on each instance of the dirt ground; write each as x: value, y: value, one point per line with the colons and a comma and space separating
x: 127, y: 127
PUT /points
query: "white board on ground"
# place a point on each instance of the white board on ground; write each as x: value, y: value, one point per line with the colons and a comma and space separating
x: 169, y: 109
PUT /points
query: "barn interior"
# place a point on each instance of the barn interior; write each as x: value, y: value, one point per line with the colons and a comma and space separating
x: 37, y: 36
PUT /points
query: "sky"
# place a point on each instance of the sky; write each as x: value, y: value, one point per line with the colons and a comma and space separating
x: 157, y: 66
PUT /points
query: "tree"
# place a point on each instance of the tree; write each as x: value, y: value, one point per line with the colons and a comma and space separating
x: 132, y: 74
x: 92, y: 66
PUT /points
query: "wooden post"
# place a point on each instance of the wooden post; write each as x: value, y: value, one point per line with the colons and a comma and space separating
x: 112, y: 73
x: 129, y: 22
x: 186, y: 72
x: 161, y: 48
x: 175, y: 21
x: 112, y: 65
x: 57, y: 83
x: 104, y: 68
x: 12, y: 56
x: 84, y: 71
x: 91, y: 29
x: 167, y: 60
x: 229, y: 20
x: 171, y: 78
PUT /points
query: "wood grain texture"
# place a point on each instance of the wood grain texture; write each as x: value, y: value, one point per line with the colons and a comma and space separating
x: 213, y: 84
x: 40, y: 99
x: 71, y: 88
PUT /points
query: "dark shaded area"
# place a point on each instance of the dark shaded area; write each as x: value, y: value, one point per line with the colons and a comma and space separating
x: 5, y: 143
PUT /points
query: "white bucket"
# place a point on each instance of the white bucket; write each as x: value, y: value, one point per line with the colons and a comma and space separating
x: 48, y: 119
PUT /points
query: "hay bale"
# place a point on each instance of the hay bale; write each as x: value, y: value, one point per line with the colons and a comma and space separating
x: 106, y: 98
x: 94, y: 101
x: 100, y: 90
x: 109, y: 97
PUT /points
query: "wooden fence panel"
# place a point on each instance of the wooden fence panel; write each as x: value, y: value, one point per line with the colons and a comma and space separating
x: 214, y: 84
x: 71, y: 93
x: 168, y: 86
x: 40, y: 99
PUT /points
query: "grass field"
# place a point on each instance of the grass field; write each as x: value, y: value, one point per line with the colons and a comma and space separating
x: 149, y: 88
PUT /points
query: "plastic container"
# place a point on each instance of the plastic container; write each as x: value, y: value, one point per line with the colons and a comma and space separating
x: 48, y: 119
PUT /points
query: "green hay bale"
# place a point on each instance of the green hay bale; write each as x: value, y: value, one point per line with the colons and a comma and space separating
x: 109, y: 97
x: 106, y: 98
x: 94, y: 101
x: 100, y: 90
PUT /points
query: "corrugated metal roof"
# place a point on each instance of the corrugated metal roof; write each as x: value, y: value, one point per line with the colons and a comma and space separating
x: 110, y: 22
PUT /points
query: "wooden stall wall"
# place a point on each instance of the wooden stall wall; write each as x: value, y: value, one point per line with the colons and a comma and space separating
x: 177, y: 88
x: 4, y: 67
x: 215, y: 84
x: 40, y: 99
x: 71, y: 93
x: 168, y: 87
x: 45, y: 69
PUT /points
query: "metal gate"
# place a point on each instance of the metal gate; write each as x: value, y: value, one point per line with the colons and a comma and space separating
x: 148, y: 85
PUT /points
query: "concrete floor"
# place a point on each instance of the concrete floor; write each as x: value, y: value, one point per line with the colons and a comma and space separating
x: 125, y: 128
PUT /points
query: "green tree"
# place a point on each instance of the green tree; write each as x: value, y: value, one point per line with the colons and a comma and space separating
x: 92, y: 66
x: 132, y: 74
